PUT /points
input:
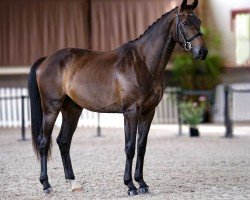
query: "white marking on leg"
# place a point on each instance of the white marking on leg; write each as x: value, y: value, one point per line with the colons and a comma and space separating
x: 75, y: 186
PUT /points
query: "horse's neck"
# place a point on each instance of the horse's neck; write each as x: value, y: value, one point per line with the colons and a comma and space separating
x: 156, y: 46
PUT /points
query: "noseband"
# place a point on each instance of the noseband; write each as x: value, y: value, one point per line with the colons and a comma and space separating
x: 188, y: 45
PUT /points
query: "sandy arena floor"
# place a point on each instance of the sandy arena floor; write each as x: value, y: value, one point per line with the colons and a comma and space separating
x: 209, y: 167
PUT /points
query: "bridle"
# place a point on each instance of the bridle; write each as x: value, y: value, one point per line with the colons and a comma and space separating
x: 188, y: 45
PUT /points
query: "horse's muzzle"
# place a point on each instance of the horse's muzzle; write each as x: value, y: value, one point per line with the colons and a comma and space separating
x: 201, y: 53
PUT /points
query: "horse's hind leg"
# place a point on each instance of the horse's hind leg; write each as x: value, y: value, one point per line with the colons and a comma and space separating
x: 70, y: 114
x: 50, y: 113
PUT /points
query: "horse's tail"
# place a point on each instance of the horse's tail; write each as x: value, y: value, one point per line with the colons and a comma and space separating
x: 36, y: 107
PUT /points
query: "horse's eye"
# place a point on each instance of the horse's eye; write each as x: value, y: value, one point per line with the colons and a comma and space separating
x: 186, y: 23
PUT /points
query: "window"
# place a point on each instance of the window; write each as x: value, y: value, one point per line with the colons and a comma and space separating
x: 242, y: 33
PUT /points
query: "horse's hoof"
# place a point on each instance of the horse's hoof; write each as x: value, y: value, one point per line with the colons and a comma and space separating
x: 47, y: 191
x: 75, y: 186
x: 143, y: 190
x: 132, y: 192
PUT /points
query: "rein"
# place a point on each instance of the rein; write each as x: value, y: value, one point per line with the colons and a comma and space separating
x: 188, y: 45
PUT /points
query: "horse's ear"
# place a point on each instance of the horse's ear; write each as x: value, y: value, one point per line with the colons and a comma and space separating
x: 194, y: 4
x: 184, y: 4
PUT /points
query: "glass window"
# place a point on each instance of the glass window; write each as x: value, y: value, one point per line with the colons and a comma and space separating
x: 242, y: 28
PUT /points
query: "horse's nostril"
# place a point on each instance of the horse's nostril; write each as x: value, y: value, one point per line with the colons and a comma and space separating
x: 201, y: 51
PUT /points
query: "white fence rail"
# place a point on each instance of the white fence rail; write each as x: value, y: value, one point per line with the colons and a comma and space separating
x: 166, y: 112
x: 10, y: 107
x: 238, y: 104
x: 11, y: 116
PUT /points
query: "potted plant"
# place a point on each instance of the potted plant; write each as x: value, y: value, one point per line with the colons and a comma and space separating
x: 191, y: 113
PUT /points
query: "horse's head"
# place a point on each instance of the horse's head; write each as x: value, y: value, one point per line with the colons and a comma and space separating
x: 187, y: 32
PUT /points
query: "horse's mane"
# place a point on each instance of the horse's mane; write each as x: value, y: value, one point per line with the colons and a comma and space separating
x: 152, y: 26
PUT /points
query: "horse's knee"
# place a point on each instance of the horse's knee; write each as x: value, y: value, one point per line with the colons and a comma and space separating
x: 63, y: 146
x: 130, y: 152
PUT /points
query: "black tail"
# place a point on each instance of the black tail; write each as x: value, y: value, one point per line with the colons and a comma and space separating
x: 35, y: 103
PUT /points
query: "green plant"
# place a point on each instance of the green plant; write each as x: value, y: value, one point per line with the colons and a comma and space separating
x: 191, y: 112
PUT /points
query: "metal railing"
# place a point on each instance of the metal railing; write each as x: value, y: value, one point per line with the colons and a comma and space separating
x: 22, y: 111
x: 229, y: 90
x: 15, y: 109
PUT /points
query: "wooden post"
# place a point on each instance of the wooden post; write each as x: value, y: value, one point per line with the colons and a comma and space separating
x: 227, y: 120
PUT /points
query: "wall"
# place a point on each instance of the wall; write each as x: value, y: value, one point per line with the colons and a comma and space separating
x: 219, y: 17
x: 33, y: 29
x: 236, y: 75
x: 9, y: 81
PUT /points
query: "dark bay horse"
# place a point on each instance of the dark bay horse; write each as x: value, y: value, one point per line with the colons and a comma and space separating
x: 127, y: 80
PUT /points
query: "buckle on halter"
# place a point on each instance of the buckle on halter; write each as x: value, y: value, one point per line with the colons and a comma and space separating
x: 188, y: 46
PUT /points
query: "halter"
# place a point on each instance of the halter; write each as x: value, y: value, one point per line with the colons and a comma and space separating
x: 188, y: 46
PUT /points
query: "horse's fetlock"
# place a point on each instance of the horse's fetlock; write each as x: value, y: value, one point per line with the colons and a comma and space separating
x: 138, y: 178
x: 126, y: 182
x: 43, y: 178
x: 69, y: 176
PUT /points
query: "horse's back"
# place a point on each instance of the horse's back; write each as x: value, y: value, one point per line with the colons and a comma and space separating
x: 87, y: 77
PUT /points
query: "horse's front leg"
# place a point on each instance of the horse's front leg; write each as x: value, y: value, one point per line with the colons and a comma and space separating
x: 143, y: 129
x: 130, y: 126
